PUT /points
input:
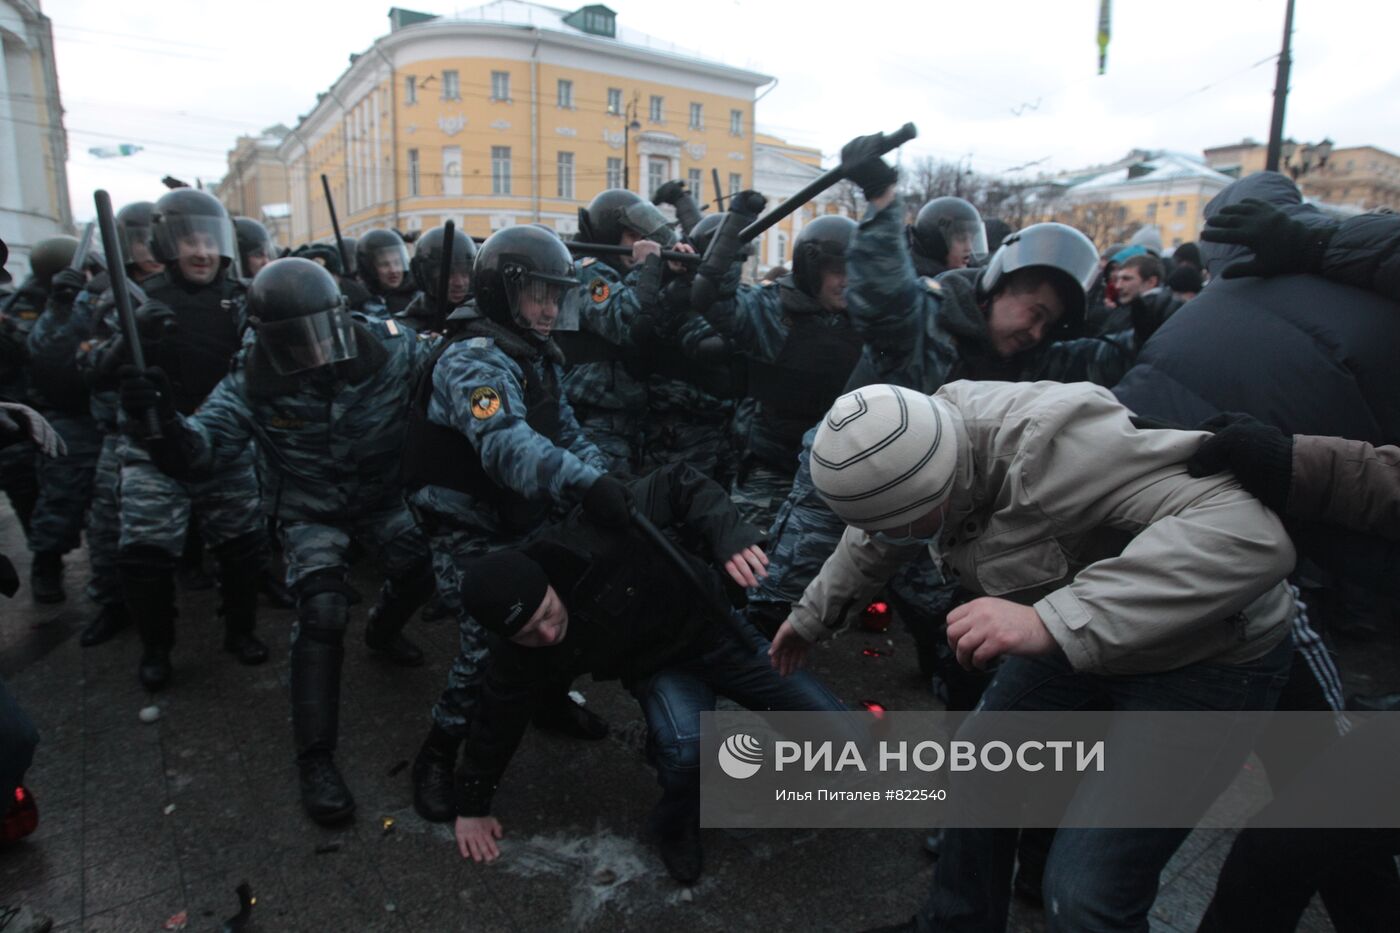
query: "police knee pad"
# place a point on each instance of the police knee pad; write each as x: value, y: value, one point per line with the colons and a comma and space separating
x: 323, y: 601
x: 145, y: 562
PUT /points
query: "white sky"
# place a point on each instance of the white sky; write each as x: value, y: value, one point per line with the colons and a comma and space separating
x: 1002, y: 83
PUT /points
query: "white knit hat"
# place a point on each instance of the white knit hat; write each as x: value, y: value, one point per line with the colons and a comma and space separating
x: 885, y: 456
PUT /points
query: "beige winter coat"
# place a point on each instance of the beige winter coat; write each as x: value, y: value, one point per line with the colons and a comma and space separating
x: 1132, y: 564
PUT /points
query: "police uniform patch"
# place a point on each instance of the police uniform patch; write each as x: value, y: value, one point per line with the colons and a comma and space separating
x: 599, y: 291
x: 588, y: 261
x: 485, y: 402
x: 933, y: 286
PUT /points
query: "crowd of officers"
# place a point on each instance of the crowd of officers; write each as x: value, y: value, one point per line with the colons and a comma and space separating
x: 434, y: 412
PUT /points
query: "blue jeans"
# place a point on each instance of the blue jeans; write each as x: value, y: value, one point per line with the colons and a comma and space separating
x: 18, y: 737
x: 1100, y: 879
x: 674, y: 697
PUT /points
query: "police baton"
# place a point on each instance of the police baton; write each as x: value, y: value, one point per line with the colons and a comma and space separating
x: 80, y: 255
x: 713, y: 607
x: 449, y: 233
x: 335, y: 225
x: 106, y: 221
x: 614, y: 249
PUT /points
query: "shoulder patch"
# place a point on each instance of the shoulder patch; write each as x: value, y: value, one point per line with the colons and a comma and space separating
x: 588, y: 261
x: 599, y: 291
x: 480, y: 343
x: 485, y: 402
x: 393, y: 329
x: 768, y: 284
x: 933, y: 286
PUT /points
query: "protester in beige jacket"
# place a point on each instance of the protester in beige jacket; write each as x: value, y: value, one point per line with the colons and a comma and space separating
x: 1113, y: 580
x: 1057, y: 503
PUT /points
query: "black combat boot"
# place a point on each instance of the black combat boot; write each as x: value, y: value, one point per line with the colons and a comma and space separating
x: 46, y: 577
x: 111, y: 620
x: 433, y: 795
x: 317, y: 655
x: 240, y: 563
x: 398, y: 600
x: 149, y: 585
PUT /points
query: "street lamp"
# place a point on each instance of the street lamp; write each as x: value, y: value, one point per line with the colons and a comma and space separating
x: 632, y: 124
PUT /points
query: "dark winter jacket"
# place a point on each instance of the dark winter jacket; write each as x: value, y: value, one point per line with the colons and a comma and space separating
x: 630, y: 612
x: 1306, y: 353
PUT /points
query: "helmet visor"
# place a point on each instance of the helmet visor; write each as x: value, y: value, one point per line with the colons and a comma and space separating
x: 134, y: 242
x: 536, y: 299
x: 647, y: 222
x: 965, y: 236
x: 389, y: 264
x: 295, y: 345
x: 180, y: 235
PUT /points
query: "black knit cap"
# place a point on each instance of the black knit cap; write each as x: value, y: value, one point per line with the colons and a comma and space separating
x: 502, y: 590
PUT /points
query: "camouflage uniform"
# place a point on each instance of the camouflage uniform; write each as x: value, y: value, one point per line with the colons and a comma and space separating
x: 104, y: 514
x: 479, y: 391
x: 328, y: 444
x: 609, y: 400
x: 18, y: 476
x: 60, y: 394
x: 919, y: 333
x: 761, y: 323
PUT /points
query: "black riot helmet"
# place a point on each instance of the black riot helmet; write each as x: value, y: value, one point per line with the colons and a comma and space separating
x: 821, y: 247
x: 379, y: 255
x: 253, y: 241
x: 188, y: 214
x: 616, y: 210
x: 703, y: 232
x: 520, y: 261
x: 347, y: 257
x: 300, y: 317
x: 134, y: 232
x: 948, y: 228
x: 1063, y: 250
x: 49, y: 255
x: 426, y: 264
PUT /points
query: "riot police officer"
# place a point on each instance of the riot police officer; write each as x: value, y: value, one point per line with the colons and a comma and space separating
x: 947, y: 233
x: 255, y: 246
x: 493, y: 447
x: 381, y: 262
x: 427, y: 311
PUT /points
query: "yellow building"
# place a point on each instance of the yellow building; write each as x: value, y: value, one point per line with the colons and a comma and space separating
x: 512, y: 113
x: 782, y: 169
x: 1361, y: 178
x: 256, y: 183
x: 1166, y: 190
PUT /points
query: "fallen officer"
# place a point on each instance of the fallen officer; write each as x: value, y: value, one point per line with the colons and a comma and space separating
x: 582, y: 599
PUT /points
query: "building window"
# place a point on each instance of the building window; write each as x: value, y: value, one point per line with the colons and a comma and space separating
x: 736, y: 123
x: 697, y: 116
x: 780, y: 249
x: 500, y: 170
x: 1181, y: 208
x: 1152, y: 212
x: 566, y: 94
x: 656, y: 112
x: 656, y: 175
x: 500, y: 85
x: 1120, y: 214
x: 614, y: 172
x: 565, y: 165
x: 736, y: 183
x: 410, y: 89
x: 615, y: 100
x: 695, y: 181
x: 413, y: 189
x: 452, y: 170
x: 451, y: 88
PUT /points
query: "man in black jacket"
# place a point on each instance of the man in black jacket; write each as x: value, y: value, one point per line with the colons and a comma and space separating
x: 584, y: 599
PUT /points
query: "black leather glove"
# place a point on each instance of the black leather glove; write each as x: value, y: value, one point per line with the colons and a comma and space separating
x: 141, y: 392
x: 861, y: 163
x: 608, y: 503
x: 1260, y: 456
x: 1281, y: 244
x: 65, y: 286
x: 154, y: 321
x: 669, y: 193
